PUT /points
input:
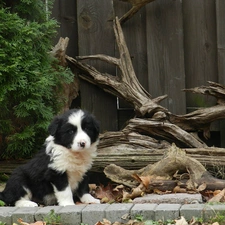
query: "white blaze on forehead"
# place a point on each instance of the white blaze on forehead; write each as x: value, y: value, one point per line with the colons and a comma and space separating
x: 76, y: 118
x: 81, y: 139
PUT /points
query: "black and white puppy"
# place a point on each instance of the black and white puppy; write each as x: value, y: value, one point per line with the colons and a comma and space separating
x: 58, y: 172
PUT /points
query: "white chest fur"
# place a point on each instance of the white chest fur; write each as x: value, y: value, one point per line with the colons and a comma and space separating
x: 75, y: 164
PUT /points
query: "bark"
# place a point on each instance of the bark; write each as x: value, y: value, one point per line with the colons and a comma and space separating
x: 144, y: 140
x: 174, y: 161
x: 134, y: 156
x: 125, y: 85
x: 70, y: 90
x: 154, y: 120
x: 202, y: 118
x: 136, y: 6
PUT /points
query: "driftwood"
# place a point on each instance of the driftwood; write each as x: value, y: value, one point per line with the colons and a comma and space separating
x: 174, y: 162
x: 145, y: 138
x: 125, y: 85
x: 154, y: 119
x: 133, y: 156
x: 70, y: 91
x: 136, y: 6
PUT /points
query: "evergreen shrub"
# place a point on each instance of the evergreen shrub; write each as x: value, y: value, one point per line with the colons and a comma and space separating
x: 30, y: 79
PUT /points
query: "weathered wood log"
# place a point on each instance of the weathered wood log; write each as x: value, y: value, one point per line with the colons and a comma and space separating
x: 202, y: 118
x: 134, y: 156
x: 161, y: 123
x: 125, y: 85
x: 145, y: 139
x: 70, y: 91
x: 173, y: 161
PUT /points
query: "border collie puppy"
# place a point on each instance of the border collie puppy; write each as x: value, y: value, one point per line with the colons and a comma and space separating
x: 57, y: 174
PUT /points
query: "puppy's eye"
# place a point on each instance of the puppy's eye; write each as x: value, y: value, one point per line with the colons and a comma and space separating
x: 71, y: 132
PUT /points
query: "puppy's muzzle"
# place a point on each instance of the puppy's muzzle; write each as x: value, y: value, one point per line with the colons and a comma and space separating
x: 82, y: 144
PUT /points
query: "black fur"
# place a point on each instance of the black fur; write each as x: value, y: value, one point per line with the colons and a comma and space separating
x: 36, y: 180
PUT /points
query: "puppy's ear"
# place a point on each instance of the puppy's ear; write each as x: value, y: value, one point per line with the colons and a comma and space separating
x: 96, y: 125
x: 54, y: 126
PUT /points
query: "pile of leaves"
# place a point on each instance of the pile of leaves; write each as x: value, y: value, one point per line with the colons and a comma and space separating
x: 112, y: 192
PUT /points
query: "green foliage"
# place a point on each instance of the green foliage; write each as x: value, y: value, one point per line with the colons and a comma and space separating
x: 139, y: 218
x: 3, y: 177
x: 30, y: 79
x: 1, y: 204
x: 218, y: 217
x: 52, y: 218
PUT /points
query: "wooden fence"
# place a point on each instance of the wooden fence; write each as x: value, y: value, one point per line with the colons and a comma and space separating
x: 174, y: 44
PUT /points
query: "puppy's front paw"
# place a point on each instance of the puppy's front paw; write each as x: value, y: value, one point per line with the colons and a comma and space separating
x: 25, y: 203
x: 87, y: 198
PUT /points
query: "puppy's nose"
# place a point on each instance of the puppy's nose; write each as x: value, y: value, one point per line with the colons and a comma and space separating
x: 82, y: 144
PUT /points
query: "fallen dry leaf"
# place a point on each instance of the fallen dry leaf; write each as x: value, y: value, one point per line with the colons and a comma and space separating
x: 146, y: 180
x: 136, y: 192
x: 38, y: 223
x: 116, y: 223
x: 220, y: 197
x: 202, y: 187
x: 135, y: 222
x: 118, y: 188
x: 137, y: 177
x: 104, y: 222
x: 215, y: 223
x: 158, y: 192
x: 178, y: 189
x: 108, y: 193
x: 20, y: 221
x: 216, y: 192
x: 181, y: 221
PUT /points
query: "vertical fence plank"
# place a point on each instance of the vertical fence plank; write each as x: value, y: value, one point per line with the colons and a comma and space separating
x: 200, y: 48
x: 220, y: 16
x: 165, y: 53
x: 65, y: 13
x: 95, y: 36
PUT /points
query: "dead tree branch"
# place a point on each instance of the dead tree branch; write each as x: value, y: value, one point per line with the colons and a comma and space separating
x: 174, y: 160
x: 124, y: 85
x: 70, y: 90
x: 136, y: 6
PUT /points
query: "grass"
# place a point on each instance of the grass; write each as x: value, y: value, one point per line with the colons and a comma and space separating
x: 52, y: 218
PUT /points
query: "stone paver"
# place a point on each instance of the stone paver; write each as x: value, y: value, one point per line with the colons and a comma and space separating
x: 71, y: 214
x: 177, y: 198
x: 118, y: 212
x: 44, y: 211
x: 90, y: 214
x: 6, y: 214
x: 167, y: 211
x: 24, y: 213
x: 212, y: 210
x: 147, y: 211
x: 192, y: 210
x: 93, y: 213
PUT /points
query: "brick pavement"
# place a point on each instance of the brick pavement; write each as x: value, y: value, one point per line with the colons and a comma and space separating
x: 90, y: 214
